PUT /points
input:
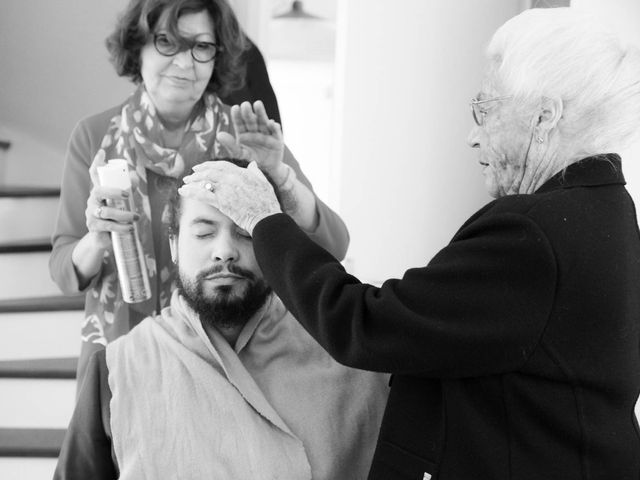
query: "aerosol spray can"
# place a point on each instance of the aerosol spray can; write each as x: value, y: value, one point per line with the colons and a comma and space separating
x: 127, y: 249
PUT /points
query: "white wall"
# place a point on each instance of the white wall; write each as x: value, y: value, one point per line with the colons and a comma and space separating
x: 55, y: 70
x: 300, y: 55
x: 623, y: 16
x: 256, y: 18
x: 405, y: 76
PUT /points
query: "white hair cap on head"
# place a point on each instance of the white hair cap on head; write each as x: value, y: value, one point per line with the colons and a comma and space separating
x: 570, y: 55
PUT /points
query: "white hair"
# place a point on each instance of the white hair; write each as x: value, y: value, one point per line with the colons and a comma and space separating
x: 569, y: 55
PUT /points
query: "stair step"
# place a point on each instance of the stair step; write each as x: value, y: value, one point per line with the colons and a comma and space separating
x: 27, y: 245
x: 30, y: 442
x: 27, y: 213
x: 48, y: 303
x: 39, y: 368
x: 19, y: 191
x: 26, y: 468
x: 36, y: 403
x: 25, y: 273
x: 53, y: 333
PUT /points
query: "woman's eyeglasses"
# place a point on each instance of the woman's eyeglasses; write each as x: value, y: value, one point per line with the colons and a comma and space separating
x: 476, y: 111
x: 201, y: 52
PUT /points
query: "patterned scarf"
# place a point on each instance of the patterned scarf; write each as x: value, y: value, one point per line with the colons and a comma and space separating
x: 135, y: 135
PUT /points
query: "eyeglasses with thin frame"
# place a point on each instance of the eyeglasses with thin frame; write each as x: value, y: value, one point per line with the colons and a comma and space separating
x: 477, y: 113
x: 201, y: 51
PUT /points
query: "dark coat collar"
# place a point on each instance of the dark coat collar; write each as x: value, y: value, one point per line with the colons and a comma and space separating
x: 593, y: 171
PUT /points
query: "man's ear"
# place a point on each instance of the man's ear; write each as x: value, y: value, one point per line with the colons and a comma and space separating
x: 173, y: 246
x: 549, y: 114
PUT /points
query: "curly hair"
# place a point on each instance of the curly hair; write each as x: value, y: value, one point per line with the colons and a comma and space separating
x: 137, y: 24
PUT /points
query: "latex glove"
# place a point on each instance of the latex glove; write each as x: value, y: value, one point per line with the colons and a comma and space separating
x: 242, y: 194
x: 258, y: 139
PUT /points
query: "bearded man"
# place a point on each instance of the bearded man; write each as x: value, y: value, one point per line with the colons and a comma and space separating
x: 224, y: 383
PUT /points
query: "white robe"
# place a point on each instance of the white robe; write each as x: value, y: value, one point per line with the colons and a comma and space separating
x: 275, y: 407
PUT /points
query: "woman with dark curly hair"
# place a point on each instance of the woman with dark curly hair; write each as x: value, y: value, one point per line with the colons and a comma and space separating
x: 184, y: 56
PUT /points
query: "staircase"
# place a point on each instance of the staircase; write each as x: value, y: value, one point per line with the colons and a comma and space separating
x: 39, y: 337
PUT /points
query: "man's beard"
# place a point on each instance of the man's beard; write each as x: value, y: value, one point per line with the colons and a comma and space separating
x: 224, y: 308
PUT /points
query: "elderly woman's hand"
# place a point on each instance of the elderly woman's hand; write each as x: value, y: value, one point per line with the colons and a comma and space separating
x: 258, y: 139
x: 242, y: 194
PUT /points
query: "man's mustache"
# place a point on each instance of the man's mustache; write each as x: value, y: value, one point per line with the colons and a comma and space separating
x: 228, y: 268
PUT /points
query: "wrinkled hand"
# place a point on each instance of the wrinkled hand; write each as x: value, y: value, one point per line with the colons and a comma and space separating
x: 242, y: 194
x: 258, y: 139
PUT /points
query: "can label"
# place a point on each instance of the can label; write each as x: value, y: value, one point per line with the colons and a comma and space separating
x: 127, y: 249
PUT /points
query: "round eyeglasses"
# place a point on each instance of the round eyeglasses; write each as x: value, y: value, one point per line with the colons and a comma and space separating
x: 477, y: 112
x: 201, y: 52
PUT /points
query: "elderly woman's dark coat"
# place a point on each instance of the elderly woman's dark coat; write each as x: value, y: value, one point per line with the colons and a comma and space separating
x: 515, y: 351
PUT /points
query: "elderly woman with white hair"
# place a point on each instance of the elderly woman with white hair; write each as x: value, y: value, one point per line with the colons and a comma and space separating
x: 516, y: 349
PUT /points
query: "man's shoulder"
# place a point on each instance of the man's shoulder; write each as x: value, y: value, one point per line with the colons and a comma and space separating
x: 299, y: 341
x: 143, y: 333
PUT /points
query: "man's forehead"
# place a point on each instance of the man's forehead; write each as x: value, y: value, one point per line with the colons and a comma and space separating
x: 197, y: 211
